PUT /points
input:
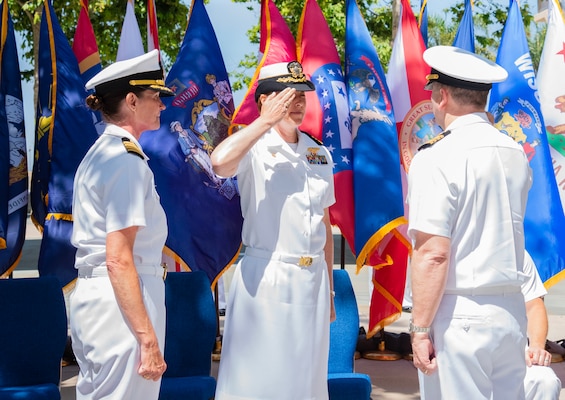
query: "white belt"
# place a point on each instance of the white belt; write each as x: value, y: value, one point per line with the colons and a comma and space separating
x: 304, y: 261
x: 93, y: 272
x: 485, y: 291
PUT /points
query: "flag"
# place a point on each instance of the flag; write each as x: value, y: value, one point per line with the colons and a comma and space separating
x: 407, y: 69
x: 379, y: 207
x: 327, y: 110
x: 465, y: 37
x: 131, y: 44
x: 277, y: 45
x: 516, y: 110
x: 152, y: 28
x: 423, y: 20
x: 415, y: 124
x: 13, y: 154
x: 86, y: 52
x: 85, y: 47
x: 64, y: 133
x: 552, y: 97
x: 203, y: 211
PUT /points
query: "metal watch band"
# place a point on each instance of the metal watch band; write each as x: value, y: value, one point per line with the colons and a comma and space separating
x: 418, y: 329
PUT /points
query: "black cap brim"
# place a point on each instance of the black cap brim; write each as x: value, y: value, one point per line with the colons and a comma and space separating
x: 267, y: 86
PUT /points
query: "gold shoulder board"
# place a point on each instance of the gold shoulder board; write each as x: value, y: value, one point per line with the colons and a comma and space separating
x: 132, y: 148
x: 318, y: 141
x: 434, y: 140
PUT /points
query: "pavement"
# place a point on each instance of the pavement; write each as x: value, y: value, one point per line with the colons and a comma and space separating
x: 391, y: 380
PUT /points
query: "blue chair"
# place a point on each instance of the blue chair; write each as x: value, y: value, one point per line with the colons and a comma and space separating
x: 190, y: 337
x: 33, y: 338
x: 343, y: 382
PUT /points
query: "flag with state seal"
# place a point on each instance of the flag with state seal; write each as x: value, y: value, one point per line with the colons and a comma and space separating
x: 203, y: 210
x: 516, y: 111
x: 327, y: 112
x: 13, y: 154
x: 406, y: 78
x: 379, y: 207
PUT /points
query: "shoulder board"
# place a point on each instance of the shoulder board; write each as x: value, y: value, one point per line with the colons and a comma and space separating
x: 436, y: 139
x: 318, y: 141
x: 132, y: 148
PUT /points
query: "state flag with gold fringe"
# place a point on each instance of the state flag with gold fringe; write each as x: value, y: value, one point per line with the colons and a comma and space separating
x: 64, y: 133
x: 13, y: 154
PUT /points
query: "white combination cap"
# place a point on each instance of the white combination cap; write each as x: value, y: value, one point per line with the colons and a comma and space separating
x: 143, y: 71
x: 456, y: 67
x: 277, y: 77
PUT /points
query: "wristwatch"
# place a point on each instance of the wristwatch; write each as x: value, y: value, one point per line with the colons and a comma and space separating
x: 418, y: 329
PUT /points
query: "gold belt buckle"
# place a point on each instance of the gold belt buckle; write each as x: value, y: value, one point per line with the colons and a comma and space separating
x: 305, y: 261
x: 164, y: 265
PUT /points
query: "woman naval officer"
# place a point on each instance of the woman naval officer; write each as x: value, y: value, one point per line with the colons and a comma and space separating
x: 117, y: 310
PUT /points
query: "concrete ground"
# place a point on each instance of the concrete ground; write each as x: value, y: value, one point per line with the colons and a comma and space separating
x: 392, y: 380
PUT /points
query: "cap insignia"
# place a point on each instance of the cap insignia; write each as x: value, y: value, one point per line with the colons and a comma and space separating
x: 296, y: 73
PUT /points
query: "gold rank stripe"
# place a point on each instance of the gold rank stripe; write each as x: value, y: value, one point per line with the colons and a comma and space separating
x: 132, y: 148
x: 434, y: 140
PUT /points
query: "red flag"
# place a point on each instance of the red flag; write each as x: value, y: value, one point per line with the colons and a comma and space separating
x: 84, y: 45
x: 152, y: 28
x: 277, y: 45
x: 327, y: 113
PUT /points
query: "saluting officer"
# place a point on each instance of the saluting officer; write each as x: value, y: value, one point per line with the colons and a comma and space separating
x: 276, y: 333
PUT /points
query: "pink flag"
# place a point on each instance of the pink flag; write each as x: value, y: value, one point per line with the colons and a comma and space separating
x: 277, y: 45
x: 327, y: 112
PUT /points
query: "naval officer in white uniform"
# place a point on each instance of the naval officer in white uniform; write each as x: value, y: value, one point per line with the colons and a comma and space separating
x: 276, y: 332
x: 117, y: 309
x: 467, y: 194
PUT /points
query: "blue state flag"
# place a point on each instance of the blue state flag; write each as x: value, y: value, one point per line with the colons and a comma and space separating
x: 376, y: 165
x: 203, y: 210
x: 379, y: 206
x: 65, y: 132
x: 465, y: 37
x: 515, y: 107
x: 423, y: 20
x: 13, y: 154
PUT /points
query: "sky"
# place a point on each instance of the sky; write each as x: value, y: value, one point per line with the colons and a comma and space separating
x: 222, y: 14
